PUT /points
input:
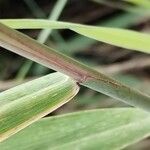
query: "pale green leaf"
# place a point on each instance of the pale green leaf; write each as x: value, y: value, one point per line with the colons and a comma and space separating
x: 26, y: 103
x: 90, y: 130
x: 141, y: 3
x: 118, y: 37
x: 142, y: 6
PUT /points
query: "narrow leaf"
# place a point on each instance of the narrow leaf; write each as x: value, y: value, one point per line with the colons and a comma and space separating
x: 84, y: 75
x: 119, y: 37
x: 143, y: 3
x: 26, y: 103
x: 91, y: 130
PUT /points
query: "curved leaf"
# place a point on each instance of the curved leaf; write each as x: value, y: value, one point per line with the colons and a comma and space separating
x: 26, y: 103
x: 118, y: 37
x: 97, y: 129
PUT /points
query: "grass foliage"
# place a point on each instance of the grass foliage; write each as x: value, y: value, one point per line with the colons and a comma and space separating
x: 23, y: 106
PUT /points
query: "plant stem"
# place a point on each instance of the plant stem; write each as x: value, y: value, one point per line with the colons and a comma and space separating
x: 44, y: 34
x: 84, y: 75
x: 54, y: 15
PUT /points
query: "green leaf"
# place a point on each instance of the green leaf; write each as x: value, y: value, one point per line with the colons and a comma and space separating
x: 142, y: 6
x: 91, y: 130
x: 26, y: 103
x: 118, y: 37
x: 25, y: 46
x: 141, y: 3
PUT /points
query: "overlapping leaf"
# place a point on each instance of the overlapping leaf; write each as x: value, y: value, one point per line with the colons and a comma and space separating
x: 118, y: 37
x: 24, y: 104
x: 25, y: 46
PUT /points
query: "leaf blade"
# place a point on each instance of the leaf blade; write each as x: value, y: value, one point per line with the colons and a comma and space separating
x: 118, y: 37
x: 19, y: 111
x: 25, y: 46
x: 84, y: 130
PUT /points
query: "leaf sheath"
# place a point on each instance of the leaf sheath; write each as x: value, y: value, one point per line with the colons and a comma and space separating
x: 29, y: 48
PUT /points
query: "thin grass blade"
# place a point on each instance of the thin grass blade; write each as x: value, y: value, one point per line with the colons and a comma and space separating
x: 143, y: 3
x: 119, y: 37
x: 84, y: 75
